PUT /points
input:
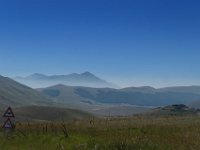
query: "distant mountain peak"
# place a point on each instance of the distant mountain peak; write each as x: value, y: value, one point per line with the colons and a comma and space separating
x: 87, y: 73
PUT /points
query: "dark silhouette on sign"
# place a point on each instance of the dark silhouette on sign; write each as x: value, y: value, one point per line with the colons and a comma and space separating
x: 8, y: 123
x: 9, y: 113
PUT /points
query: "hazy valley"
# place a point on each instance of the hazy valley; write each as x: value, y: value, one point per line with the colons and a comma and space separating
x: 94, y: 100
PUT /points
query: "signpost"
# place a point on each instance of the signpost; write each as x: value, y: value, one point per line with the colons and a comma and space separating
x: 8, y: 124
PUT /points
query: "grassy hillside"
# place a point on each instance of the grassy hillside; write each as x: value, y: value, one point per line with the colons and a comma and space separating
x: 61, y: 93
x: 13, y: 93
x: 135, y: 133
x: 69, y: 96
x: 46, y: 113
x: 142, y: 96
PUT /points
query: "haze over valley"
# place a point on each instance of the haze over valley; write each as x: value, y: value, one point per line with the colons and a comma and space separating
x: 89, y: 96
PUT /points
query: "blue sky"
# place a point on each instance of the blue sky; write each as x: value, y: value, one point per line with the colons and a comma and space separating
x: 128, y: 42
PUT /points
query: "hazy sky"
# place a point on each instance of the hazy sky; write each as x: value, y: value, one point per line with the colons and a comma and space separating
x: 129, y: 42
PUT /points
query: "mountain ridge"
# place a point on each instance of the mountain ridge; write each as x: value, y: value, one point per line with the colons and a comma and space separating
x: 87, y: 79
x: 133, y: 96
x: 96, y: 100
x: 14, y: 94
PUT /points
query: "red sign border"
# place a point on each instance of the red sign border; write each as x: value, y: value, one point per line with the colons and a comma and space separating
x: 10, y: 123
x: 9, y: 109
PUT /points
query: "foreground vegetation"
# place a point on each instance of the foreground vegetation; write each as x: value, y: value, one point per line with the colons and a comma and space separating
x: 136, y: 133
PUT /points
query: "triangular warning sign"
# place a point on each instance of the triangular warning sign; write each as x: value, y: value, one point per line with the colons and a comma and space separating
x: 9, y: 113
x: 8, y: 124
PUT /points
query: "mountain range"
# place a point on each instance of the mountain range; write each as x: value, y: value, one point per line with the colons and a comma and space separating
x: 98, y: 101
x: 139, y: 96
x: 86, y: 79
x: 19, y: 97
x: 30, y: 105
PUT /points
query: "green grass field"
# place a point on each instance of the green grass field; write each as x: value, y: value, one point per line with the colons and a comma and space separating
x: 136, y: 133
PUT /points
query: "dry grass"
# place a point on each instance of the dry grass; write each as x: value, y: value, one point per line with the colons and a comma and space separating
x: 142, y: 133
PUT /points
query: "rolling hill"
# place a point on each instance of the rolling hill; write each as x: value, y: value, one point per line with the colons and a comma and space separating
x: 69, y: 96
x: 99, y: 101
x: 140, y: 96
x: 16, y: 94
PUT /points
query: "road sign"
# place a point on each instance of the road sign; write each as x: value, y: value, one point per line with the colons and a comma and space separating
x: 9, y: 113
x: 8, y: 124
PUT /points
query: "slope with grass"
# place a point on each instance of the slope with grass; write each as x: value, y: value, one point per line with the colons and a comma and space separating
x: 15, y: 94
x: 46, y: 114
x: 133, y: 133
x: 69, y: 96
x: 140, y: 96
